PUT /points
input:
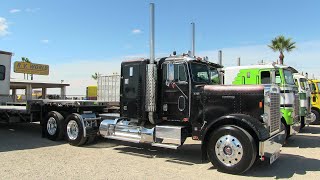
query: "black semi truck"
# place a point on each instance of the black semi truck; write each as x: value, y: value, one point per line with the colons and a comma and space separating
x: 166, y: 101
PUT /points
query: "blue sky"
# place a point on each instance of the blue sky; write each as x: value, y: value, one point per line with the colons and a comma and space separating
x: 97, y: 35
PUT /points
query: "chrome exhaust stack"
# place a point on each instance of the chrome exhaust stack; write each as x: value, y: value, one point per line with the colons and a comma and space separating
x: 151, y: 78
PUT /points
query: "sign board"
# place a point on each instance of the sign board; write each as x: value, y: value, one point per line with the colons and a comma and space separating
x: 31, y: 68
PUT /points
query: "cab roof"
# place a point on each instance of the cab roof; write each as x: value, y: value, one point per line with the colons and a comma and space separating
x: 262, y: 66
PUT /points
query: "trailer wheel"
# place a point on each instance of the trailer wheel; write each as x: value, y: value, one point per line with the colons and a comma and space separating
x: 231, y: 149
x: 54, y: 123
x: 316, y: 114
x: 74, y: 131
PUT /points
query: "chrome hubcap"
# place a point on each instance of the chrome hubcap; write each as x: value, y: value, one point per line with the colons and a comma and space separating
x: 52, y: 126
x: 313, y: 117
x: 72, y: 130
x: 229, y: 150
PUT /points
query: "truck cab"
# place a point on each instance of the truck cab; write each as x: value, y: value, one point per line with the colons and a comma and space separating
x: 261, y: 74
x: 315, y: 100
x: 301, y: 82
x: 236, y: 124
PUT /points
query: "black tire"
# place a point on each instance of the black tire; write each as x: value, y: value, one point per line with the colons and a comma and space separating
x: 316, y: 113
x: 284, y: 127
x: 249, y: 149
x: 54, y: 119
x: 73, y: 122
x: 303, y: 122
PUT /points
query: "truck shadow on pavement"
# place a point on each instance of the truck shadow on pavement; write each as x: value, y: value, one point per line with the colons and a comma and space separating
x: 188, y: 154
x: 303, y: 141
x: 285, y: 167
x: 23, y: 136
x: 313, y: 129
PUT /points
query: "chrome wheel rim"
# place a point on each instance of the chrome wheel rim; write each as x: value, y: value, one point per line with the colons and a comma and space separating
x: 229, y: 150
x: 72, y: 130
x: 313, y: 117
x: 52, y: 126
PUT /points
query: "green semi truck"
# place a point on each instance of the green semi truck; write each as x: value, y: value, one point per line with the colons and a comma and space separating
x: 262, y: 74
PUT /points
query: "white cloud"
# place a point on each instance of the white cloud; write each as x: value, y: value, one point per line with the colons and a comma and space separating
x: 32, y: 10
x: 14, y: 11
x: 136, y: 31
x: 45, y: 41
x: 3, y: 27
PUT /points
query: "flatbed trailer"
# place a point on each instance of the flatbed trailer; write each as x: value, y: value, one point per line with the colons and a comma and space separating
x: 52, y: 113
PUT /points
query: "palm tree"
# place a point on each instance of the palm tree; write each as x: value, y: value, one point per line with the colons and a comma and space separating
x: 24, y: 59
x: 282, y: 44
x: 95, y: 76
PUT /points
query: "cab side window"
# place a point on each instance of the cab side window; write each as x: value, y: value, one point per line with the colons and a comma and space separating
x: 179, y: 72
x: 278, y: 77
x: 265, y: 77
x: 2, y: 72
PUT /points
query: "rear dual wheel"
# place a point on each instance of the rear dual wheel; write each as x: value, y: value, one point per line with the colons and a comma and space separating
x: 54, y: 124
x: 231, y: 149
x: 74, y: 131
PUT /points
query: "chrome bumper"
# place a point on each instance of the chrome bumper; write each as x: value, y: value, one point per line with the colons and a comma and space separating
x: 271, y: 147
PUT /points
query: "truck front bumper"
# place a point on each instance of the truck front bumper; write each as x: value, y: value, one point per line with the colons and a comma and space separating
x: 270, y: 148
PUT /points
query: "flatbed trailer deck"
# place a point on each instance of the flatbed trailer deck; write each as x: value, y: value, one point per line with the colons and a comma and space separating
x: 52, y: 114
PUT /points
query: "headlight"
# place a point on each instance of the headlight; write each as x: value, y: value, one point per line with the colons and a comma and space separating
x: 267, y: 98
x: 265, y: 117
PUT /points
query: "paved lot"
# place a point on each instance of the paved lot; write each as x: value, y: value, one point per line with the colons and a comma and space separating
x: 25, y: 155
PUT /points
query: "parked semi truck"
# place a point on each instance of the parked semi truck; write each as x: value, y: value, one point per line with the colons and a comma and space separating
x: 261, y: 74
x: 306, y: 116
x: 315, y: 100
x: 164, y: 102
x: 52, y: 114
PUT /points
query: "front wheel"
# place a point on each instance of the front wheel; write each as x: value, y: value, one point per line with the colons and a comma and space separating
x: 74, y: 130
x: 231, y: 149
x: 315, y: 114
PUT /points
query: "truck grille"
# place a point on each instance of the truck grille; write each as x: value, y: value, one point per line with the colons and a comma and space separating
x: 275, y: 115
x: 296, y: 108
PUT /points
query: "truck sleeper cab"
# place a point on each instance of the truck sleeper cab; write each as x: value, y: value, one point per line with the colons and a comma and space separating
x: 261, y: 74
x: 234, y: 123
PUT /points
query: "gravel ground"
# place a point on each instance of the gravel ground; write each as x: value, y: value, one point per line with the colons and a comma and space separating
x: 25, y: 155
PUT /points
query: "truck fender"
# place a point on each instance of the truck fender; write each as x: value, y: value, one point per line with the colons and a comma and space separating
x: 248, y: 123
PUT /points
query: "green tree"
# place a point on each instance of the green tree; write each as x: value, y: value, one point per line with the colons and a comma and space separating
x: 281, y: 44
x: 95, y: 76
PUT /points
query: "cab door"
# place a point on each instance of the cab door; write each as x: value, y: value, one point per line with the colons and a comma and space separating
x: 315, y: 95
x: 175, y: 92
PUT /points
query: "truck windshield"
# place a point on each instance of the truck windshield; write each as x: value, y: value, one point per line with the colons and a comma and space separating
x: 288, y: 77
x: 199, y: 73
x: 318, y: 84
x: 214, y: 76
